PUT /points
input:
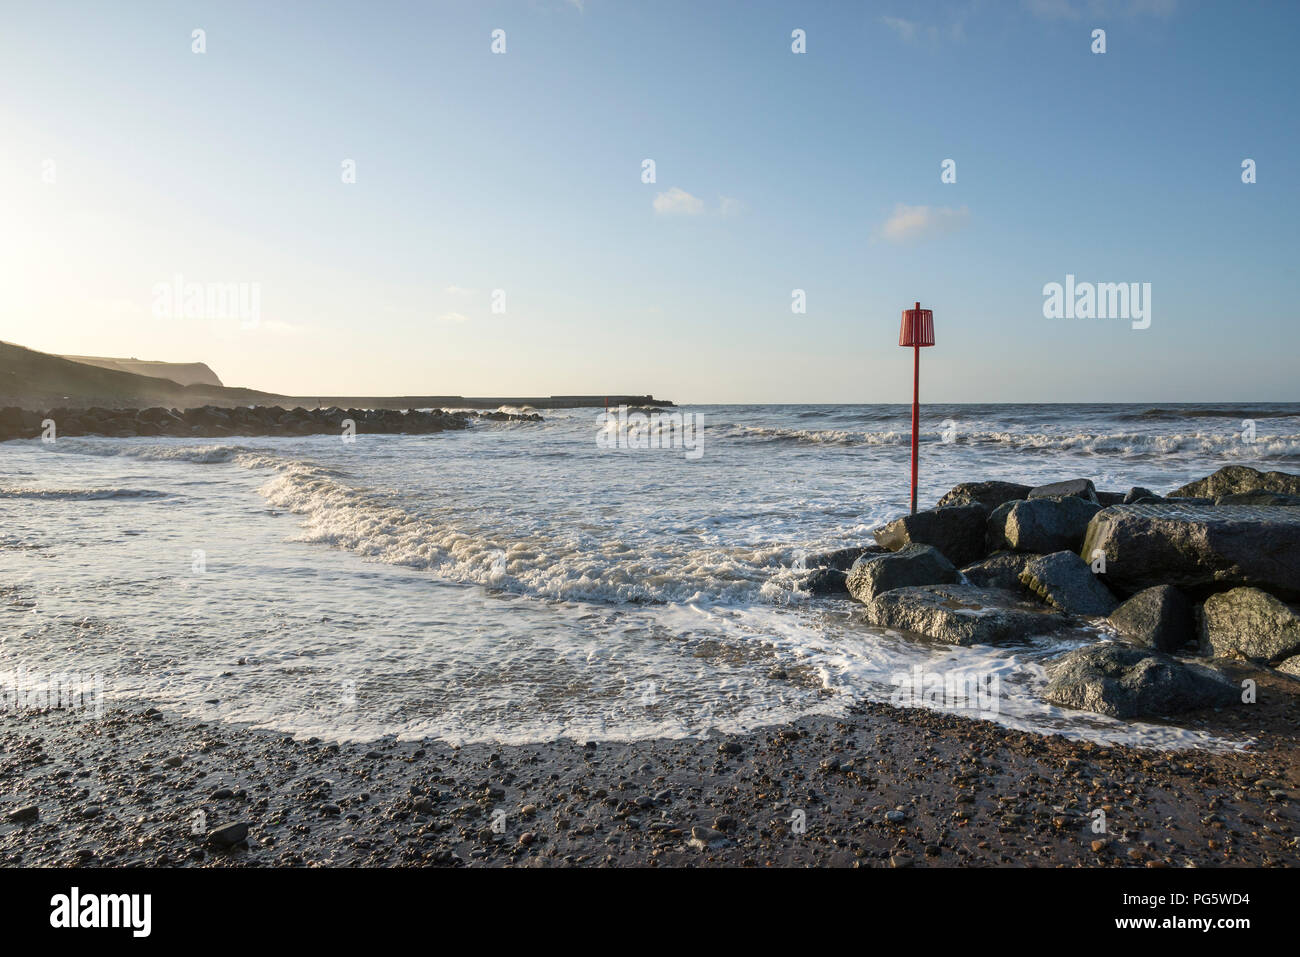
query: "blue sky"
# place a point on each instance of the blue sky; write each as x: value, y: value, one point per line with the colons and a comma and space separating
x: 775, y: 171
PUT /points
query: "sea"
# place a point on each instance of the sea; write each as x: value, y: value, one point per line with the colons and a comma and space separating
x: 582, y: 577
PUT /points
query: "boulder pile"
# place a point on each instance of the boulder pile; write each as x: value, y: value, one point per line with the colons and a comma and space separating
x: 1210, y: 571
x: 212, y: 421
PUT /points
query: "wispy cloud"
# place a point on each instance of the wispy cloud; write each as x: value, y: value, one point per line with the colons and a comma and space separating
x: 459, y: 291
x: 452, y: 317
x: 676, y: 202
x: 905, y: 28
x: 730, y: 206
x: 911, y: 31
x: 1051, y: 9
x: 914, y: 223
x: 1075, y: 9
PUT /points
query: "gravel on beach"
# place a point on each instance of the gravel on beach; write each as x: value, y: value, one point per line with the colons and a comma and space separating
x: 882, y: 786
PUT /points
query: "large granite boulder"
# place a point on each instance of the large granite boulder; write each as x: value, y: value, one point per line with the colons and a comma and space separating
x: 988, y: 494
x: 1079, y: 488
x: 1065, y: 581
x: 1138, y: 495
x: 963, y: 614
x: 955, y: 530
x: 1199, y: 549
x: 1258, y: 497
x: 1043, y: 525
x: 1126, y: 682
x: 1249, y: 623
x: 874, y: 574
x: 825, y: 583
x: 1159, y: 617
x: 843, y: 558
x: 1233, y: 479
x: 999, y: 571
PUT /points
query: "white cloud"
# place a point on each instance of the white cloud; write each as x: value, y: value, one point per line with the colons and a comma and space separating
x: 1074, y: 9
x: 459, y: 291
x: 1051, y: 9
x: 279, y: 328
x: 678, y: 201
x: 910, y: 31
x: 730, y: 206
x: 914, y: 223
x: 452, y: 317
x: 905, y: 28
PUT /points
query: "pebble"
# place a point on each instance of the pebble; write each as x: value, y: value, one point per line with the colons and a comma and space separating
x: 228, y: 835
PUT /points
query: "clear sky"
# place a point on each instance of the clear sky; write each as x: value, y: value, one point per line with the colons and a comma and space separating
x: 128, y: 159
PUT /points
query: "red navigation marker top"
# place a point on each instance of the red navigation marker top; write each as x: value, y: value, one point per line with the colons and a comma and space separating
x: 917, y: 328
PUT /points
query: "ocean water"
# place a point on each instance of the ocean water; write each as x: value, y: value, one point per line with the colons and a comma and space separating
x: 524, y: 582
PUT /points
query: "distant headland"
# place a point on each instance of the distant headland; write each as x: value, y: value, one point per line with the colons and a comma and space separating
x: 38, y: 381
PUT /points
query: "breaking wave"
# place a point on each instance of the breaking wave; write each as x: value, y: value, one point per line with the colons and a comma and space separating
x: 1277, y: 447
x: 80, y: 494
x: 560, y: 565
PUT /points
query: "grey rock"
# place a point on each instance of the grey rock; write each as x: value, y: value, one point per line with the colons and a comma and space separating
x: 1258, y: 497
x: 1079, y: 488
x: 872, y: 575
x: 1043, y: 525
x: 228, y: 835
x: 825, y: 582
x: 23, y: 814
x: 962, y: 614
x: 956, y: 530
x: 707, y: 835
x: 999, y: 571
x: 1232, y: 479
x: 1159, y: 617
x: 988, y: 494
x: 1064, y: 581
x: 1137, y: 494
x: 1126, y: 682
x: 1110, y: 498
x: 1249, y: 623
x: 1198, y: 549
x: 1290, y: 666
x: 842, y: 559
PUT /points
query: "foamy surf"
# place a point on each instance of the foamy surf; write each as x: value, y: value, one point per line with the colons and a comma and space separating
x: 520, y: 583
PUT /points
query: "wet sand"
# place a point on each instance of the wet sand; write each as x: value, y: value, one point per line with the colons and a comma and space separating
x: 881, y: 787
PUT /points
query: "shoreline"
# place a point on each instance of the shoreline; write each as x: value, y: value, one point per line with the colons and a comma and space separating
x: 212, y: 421
x: 879, y: 786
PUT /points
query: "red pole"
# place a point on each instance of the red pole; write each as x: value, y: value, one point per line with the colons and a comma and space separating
x: 916, y: 406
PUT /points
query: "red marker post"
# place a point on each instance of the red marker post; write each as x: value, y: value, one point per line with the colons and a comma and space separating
x: 917, y: 331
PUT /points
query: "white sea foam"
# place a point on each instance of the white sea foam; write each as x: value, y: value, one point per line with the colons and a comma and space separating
x: 1283, y: 446
x: 519, y: 584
